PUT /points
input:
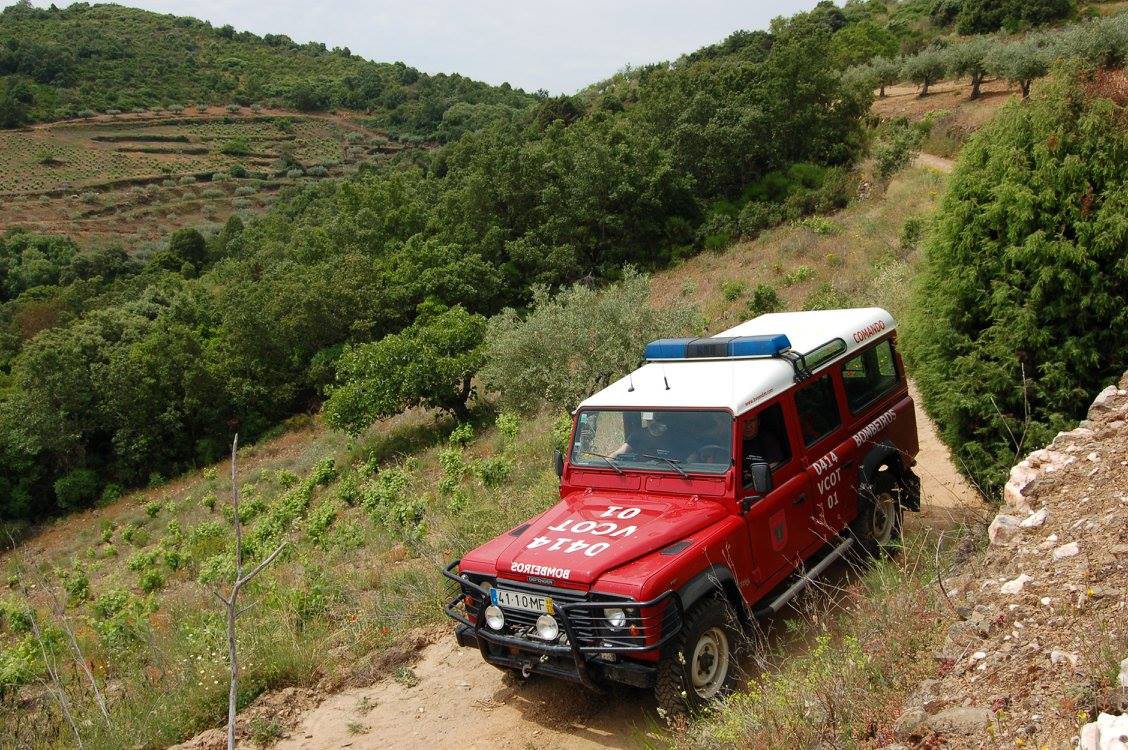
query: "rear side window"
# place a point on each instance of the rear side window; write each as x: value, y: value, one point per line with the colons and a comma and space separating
x: 870, y: 375
x: 818, y: 410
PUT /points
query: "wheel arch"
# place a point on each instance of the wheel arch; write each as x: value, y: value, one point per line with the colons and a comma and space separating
x: 715, y: 579
x: 886, y: 454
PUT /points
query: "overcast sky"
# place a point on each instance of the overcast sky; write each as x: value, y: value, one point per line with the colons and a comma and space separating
x: 560, y: 46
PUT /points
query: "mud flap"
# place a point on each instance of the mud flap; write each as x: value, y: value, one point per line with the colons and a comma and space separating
x: 911, y: 484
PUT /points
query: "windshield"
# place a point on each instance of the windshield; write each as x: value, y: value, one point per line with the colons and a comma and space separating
x: 675, y: 441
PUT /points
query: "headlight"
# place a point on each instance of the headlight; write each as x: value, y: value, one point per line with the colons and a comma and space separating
x: 494, y: 617
x: 547, y: 629
x: 616, y: 617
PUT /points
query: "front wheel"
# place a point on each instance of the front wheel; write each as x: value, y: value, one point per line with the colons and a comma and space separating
x: 703, y: 663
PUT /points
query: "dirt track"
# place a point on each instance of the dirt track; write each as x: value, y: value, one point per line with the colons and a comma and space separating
x: 455, y: 700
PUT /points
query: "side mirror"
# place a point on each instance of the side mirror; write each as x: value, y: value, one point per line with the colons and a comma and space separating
x: 558, y: 463
x: 761, y: 475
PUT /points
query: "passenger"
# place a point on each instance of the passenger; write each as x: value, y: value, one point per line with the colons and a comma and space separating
x: 649, y: 439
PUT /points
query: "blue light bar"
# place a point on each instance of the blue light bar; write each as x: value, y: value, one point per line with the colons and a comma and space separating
x: 759, y: 346
x: 667, y: 348
x: 718, y: 347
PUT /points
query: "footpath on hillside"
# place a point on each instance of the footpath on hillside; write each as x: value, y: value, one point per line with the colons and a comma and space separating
x: 1038, y: 653
x: 437, y: 695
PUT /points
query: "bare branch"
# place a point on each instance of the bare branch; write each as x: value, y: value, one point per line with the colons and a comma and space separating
x: 259, y: 568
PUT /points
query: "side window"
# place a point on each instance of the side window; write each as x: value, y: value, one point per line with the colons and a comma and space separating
x: 764, y: 438
x: 870, y: 375
x: 818, y: 410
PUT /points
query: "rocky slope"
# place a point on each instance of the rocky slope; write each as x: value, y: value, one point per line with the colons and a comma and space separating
x: 1037, y: 653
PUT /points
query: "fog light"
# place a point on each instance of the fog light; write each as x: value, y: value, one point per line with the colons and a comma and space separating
x: 494, y: 617
x: 547, y: 629
x: 616, y: 617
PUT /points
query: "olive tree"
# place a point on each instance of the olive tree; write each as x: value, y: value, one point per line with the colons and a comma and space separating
x: 970, y: 59
x: 925, y: 68
x: 1019, y: 62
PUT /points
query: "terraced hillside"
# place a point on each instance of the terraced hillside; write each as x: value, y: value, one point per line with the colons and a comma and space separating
x: 135, y: 178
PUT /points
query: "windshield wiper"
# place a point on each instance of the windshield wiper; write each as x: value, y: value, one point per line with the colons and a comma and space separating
x: 608, y: 459
x: 670, y: 461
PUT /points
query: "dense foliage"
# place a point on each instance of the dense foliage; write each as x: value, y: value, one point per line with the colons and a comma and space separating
x: 63, y: 62
x: 576, y: 342
x: 1019, y: 313
x: 146, y: 373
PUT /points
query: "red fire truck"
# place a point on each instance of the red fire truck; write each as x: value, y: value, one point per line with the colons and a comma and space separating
x: 698, y: 494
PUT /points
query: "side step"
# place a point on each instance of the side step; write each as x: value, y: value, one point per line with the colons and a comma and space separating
x: 805, y: 580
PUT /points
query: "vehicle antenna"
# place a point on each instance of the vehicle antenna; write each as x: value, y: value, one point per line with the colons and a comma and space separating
x: 630, y: 378
x: 667, y: 382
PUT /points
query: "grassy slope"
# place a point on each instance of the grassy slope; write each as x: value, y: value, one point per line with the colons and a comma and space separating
x: 360, y: 571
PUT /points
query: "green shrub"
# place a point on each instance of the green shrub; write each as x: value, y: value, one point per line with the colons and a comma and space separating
x: 462, y: 434
x: 76, y: 584
x: 150, y: 580
x: 1018, y: 316
x: 826, y: 297
x: 493, y: 471
x: 798, y: 275
x: 237, y: 170
x: 911, y: 232
x: 238, y: 146
x: 152, y: 508
x: 733, y: 290
x: 756, y: 216
x: 820, y: 225
x: 76, y: 489
x: 765, y: 299
x: 561, y: 351
x: 897, y: 146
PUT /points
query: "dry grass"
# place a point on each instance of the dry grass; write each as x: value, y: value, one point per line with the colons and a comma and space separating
x: 864, y: 259
x: 868, y: 647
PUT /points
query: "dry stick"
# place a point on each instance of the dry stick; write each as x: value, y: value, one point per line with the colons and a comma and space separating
x: 231, y: 601
x: 60, y: 613
x: 60, y: 693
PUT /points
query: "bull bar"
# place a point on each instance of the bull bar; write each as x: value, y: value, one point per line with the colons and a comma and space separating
x: 481, y: 636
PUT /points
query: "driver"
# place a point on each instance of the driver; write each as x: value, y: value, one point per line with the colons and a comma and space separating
x: 762, y: 444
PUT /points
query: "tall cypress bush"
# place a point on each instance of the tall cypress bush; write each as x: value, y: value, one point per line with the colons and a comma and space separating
x: 1020, y: 313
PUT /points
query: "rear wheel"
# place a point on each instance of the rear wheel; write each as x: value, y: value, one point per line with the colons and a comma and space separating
x: 702, y: 665
x: 878, y: 525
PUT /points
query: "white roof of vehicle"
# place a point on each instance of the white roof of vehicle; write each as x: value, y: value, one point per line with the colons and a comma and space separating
x: 740, y: 384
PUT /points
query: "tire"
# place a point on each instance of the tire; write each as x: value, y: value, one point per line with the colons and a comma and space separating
x: 877, y: 529
x: 702, y: 664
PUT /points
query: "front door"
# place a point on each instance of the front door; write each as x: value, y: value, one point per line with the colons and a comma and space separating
x: 819, y: 416
x: 764, y: 435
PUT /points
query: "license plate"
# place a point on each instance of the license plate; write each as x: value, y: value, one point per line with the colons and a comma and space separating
x: 521, y: 600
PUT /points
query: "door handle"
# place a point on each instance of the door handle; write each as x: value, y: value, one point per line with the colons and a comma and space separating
x: 799, y: 500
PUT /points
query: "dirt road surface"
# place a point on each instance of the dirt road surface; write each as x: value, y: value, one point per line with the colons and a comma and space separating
x: 451, y: 699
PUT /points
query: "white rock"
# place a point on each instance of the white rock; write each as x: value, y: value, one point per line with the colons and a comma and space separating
x: 1015, y: 586
x: 1106, y: 733
x: 1101, y: 402
x: 1093, y: 456
x: 1123, y: 677
x: 1066, y: 550
x: 1035, y: 519
x: 1003, y: 530
x: 1045, y: 601
x: 1060, y: 657
x: 978, y: 655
